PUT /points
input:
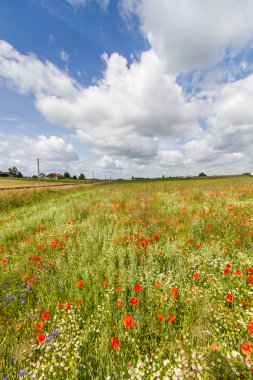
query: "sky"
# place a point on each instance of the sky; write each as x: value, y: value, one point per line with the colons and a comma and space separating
x: 122, y: 88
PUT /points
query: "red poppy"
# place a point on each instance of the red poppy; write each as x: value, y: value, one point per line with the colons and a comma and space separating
x: 45, y: 315
x: 118, y: 289
x: 198, y: 245
x: 79, y: 302
x: 238, y: 273
x: 246, y: 304
x: 226, y: 271
x: 250, y: 279
x: 161, y: 317
x: 134, y: 301
x: 196, y: 276
x: 250, y: 328
x: 174, y: 292
x: 230, y: 297
x: 40, y: 326
x: 60, y: 305
x: 41, y: 338
x: 128, y: 321
x: 214, y: 345
x: 23, y: 276
x: 4, y: 261
x: 246, y: 347
x: 250, y: 270
x: 228, y: 266
x: 36, y: 258
x: 172, y: 318
x: 158, y: 285
x: 115, y: 343
x: 105, y: 284
x: 120, y: 303
x: 68, y: 306
x: 80, y: 283
x: 137, y: 287
x: 31, y: 280
x: 19, y: 326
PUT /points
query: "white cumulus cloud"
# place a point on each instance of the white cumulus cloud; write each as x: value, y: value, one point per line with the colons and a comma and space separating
x: 193, y: 33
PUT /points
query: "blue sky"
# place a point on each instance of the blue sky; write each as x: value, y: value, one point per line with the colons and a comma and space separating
x: 126, y: 87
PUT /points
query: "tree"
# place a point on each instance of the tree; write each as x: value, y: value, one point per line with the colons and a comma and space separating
x: 15, y: 173
x: 66, y: 175
x: 81, y: 176
x: 74, y: 177
x: 202, y: 174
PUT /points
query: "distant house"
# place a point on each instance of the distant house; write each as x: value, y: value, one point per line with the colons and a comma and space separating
x: 55, y: 176
x: 5, y: 174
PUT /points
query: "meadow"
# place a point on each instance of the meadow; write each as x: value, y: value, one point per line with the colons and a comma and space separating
x: 129, y: 280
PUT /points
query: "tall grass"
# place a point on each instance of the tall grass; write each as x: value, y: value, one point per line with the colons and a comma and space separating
x: 141, y: 281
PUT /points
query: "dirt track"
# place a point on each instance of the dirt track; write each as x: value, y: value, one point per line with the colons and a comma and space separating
x: 62, y: 186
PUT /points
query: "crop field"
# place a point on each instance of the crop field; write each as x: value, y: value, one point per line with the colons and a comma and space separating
x: 11, y: 183
x: 130, y: 280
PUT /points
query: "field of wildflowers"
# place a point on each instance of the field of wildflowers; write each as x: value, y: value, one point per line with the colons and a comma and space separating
x: 149, y: 280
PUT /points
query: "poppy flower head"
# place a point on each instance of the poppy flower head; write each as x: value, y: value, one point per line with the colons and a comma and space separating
x: 4, y: 261
x: 137, y: 287
x: 230, y: 297
x: 41, y: 338
x: 120, y: 303
x: 250, y: 278
x: 45, y: 315
x: 172, y: 318
x: 36, y: 258
x: 80, y: 283
x: 79, y: 302
x: 196, y: 276
x: 174, y: 292
x: 128, y: 321
x: 214, y: 345
x: 246, y: 348
x: 39, y: 326
x: 115, y: 343
x: 250, y: 328
x: 226, y: 271
x: 134, y: 301
x: 105, y: 284
x: 31, y: 280
x: 161, y: 317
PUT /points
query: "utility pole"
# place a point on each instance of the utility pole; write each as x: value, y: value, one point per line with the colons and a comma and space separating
x: 93, y: 175
x: 38, y: 165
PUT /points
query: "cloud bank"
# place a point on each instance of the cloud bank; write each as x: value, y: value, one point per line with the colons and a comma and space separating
x: 138, y: 117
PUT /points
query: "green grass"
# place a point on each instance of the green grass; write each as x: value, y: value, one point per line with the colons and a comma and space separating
x: 160, y: 235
